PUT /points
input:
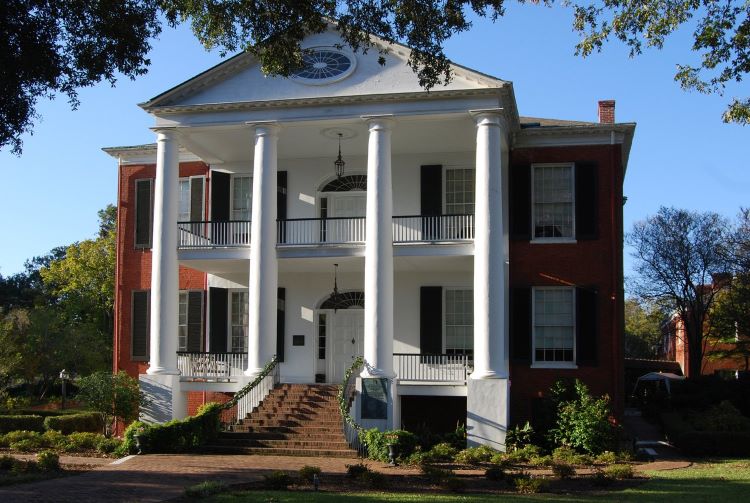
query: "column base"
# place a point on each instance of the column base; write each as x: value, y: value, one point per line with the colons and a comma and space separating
x: 487, y: 412
x: 487, y: 374
x: 154, y: 371
x: 164, y: 398
x: 253, y: 373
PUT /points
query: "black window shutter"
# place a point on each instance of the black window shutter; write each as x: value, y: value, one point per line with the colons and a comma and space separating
x: 281, y: 178
x: 431, y: 320
x: 586, y: 326
x: 586, y: 201
x: 220, y: 196
x: 520, y: 202
x: 144, y: 214
x: 217, y: 324
x: 196, y: 198
x: 520, y: 324
x: 431, y: 186
x: 195, y: 321
x: 280, y: 319
x: 139, y: 345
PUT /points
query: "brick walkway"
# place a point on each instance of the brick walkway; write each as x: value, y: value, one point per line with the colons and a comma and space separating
x: 159, y: 477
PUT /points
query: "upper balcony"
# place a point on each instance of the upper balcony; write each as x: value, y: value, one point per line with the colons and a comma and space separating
x: 327, y: 232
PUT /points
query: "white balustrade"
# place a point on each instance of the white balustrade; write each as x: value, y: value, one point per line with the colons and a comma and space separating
x: 419, y: 229
x: 233, y: 233
x: 211, y: 365
x: 432, y: 368
x: 320, y: 231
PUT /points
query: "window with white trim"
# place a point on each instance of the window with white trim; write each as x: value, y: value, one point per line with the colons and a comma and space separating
x: 553, y: 201
x: 459, y: 191
x: 459, y: 321
x: 183, y: 200
x: 239, y: 321
x: 554, y: 325
x: 190, y: 199
x: 182, y: 322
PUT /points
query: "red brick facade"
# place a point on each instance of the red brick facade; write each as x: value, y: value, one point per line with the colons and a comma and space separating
x: 134, y: 264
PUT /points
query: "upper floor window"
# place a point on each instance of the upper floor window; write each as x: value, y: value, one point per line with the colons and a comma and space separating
x: 554, y: 325
x: 553, y: 201
x: 459, y: 321
x: 239, y: 318
x: 190, y: 199
x: 242, y: 190
x: 144, y: 215
x: 459, y: 191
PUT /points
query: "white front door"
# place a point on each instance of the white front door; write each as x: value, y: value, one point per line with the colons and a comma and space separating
x: 347, y: 335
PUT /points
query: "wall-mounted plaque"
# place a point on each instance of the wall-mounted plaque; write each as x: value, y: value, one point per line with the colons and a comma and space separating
x: 374, y: 398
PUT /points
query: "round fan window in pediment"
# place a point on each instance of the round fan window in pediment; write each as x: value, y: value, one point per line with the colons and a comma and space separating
x: 323, y: 65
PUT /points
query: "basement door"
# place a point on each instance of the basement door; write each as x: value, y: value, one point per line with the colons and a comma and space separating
x: 347, y: 336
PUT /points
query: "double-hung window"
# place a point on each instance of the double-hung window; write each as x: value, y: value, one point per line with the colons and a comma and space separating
x: 459, y: 321
x: 241, y: 197
x: 182, y: 322
x: 459, y: 191
x: 553, y: 201
x: 239, y: 319
x: 554, y: 326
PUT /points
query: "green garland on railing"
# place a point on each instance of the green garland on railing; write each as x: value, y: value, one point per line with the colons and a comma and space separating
x: 342, y: 399
x: 267, y: 369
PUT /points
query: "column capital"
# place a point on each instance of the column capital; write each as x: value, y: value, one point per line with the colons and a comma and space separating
x: 379, y: 122
x: 265, y: 128
x: 489, y: 117
x: 166, y: 132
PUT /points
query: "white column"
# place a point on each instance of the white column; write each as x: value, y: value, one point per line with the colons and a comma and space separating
x: 164, y: 265
x: 378, y: 344
x: 263, y: 263
x: 490, y: 296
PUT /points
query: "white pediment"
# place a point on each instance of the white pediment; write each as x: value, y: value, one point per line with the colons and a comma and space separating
x: 240, y: 80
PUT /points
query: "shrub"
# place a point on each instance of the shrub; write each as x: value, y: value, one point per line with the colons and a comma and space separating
x: 436, y: 475
x: 494, y: 473
x: 377, y: 443
x: 21, y: 423
x: 519, y: 436
x: 108, y: 445
x: 563, y: 470
x: 694, y: 442
x: 525, y: 484
x: 567, y: 455
x: 475, y: 455
x: 619, y: 471
x: 48, y: 461
x: 373, y: 480
x: 112, y: 395
x: 15, y: 436
x: 523, y: 455
x: 456, y: 438
x: 356, y: 471
x: 541, y: 461
x: 83, y: 441
x: 454, y: 484
x: 85, y: 422
x: 27, y: 444
x: 440, y: 453
x: 500, y: 459
x: 7, y: 462
x: 205, y: 489
x: 308, y: 473
x: 55, y: 440
x: 601, y: 479
x: 277, y: 480
x: 178, y: 435
x: 606, y: 458
x: 721, y: 417
x: 583, y: 422
x: 21, y: 466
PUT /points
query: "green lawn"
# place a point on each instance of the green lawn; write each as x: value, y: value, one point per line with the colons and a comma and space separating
x: 722, y: 481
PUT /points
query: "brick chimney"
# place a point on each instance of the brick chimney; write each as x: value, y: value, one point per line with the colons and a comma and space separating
x: 607, y: 112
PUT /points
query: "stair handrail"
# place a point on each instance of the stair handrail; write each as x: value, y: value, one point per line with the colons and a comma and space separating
x: 352, y: 430
x: 271, y: 366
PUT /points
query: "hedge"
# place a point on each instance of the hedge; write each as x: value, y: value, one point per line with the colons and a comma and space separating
x: 178, y: 435
x: 377, y: 443
x: 84, y: 422
x: 50, y: 412
x: 18, y: 423
x: 695, y: 442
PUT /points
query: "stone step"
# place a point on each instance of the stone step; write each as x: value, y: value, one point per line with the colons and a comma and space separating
x: 289, y: 430
x: 285, y: 443
x: 236, y: 436
x: 288, y: 422
x: 271, y: 451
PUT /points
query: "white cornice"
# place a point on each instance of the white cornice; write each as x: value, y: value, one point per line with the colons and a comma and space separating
x: 144, y: 154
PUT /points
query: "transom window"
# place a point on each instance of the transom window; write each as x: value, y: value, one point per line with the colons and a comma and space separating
x: 554, y: 325
x: 239, y: 320
x: 459, y: 191
x: 459, y: 322
x: 553, y: 201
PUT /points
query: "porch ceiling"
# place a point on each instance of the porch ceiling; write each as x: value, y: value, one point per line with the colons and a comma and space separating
x: 230, y: 144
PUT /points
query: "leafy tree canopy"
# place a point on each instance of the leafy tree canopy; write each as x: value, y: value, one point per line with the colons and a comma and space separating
x: 58, y: 46
x: 642, y: 329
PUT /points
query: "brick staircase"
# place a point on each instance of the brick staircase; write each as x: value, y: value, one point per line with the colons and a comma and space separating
x: 293, y: 420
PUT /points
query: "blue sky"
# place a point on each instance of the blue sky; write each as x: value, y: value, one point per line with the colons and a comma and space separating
x: 683, y: 155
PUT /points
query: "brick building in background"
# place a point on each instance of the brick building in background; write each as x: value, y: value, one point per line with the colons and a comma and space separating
x: 469, y: 246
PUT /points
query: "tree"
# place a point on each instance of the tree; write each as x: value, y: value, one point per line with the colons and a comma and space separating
x: 112, y: 395
x: 642, y: 329
x: 721, y: 36
x: 678, y: 253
